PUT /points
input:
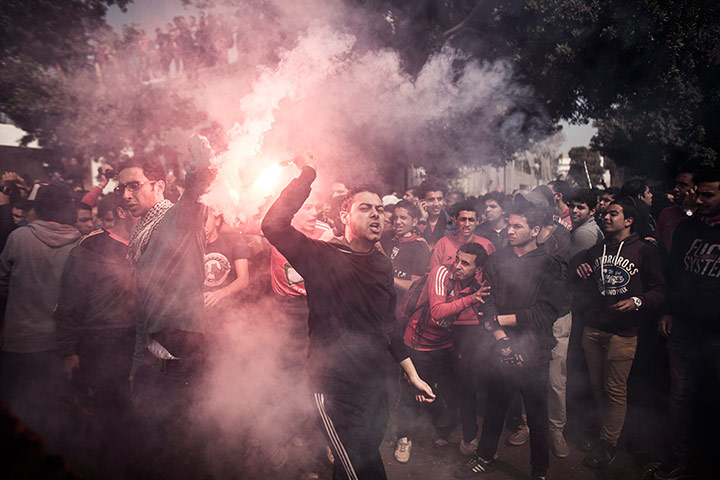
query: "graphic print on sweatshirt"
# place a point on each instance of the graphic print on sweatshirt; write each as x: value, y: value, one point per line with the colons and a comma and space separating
x: 703, y: 258
x: 615, y: 275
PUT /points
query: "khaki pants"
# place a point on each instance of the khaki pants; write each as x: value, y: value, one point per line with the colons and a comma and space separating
x: 557, y: 394
x: 609, y: 358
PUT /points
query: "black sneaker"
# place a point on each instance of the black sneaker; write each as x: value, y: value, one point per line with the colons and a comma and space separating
x: 601, y: 456
x: 539, y: 477
x: 475, y: 466
x: 677, y: 473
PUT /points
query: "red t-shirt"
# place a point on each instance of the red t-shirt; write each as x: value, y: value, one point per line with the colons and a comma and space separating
x: 446, y: 248
x: 285, y: 280
x: 564, y: 219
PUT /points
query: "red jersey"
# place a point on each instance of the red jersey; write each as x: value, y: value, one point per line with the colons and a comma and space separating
x: 448, y: 303
x: 564, y: 219
x: 285, y: 280
x: 446, y: 248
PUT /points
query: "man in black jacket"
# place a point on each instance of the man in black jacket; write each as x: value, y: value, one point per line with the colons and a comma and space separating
x: 351, y: 323
x: 95, y: 314
x: 693, y: 332
x: 527, y: 285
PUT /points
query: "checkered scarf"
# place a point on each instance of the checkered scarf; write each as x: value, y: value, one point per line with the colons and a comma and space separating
x: 144, y: 228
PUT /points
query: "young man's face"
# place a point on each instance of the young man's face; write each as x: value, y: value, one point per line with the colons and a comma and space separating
x: 18, y: 215
x: 519, y: 232
x: 466, y: 221
x: 365, y: 216
x: 683, y: 185
x: 614, y: 219
x: 84, y: 222
x: 464, y: 266
x: 580, y: 212
x: 410, y: 197
x: 646, y: 197
x: 493, y: 211
x: 304, y: 220
x: 708, y: 198
x: 403, y: 223
x: 108, y: 220
x: 434, y: 202
x: 604, y: 201
x: 146, y: 196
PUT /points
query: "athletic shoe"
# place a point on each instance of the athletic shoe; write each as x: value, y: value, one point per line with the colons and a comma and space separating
x: 601, y: 456
x: 474, y: 466
x: 402, y: 450
x: 278, y: 458
x: 677, y: 473
x: 539, y: 477
x: 519, y: 436
x: 558, y: 445
x: 468, y: 448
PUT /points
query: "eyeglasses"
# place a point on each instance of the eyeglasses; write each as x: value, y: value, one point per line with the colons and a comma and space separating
x: 133, y: 186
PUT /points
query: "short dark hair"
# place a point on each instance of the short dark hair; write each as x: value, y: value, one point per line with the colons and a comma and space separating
x: 431, y: 185
x: 467, y: 205
x: 497, y: 197
x: 476, y: 249
x: 413, y: 191
x: 535, y: 215
x: 612, y: 191
x: 633, y: 188
x: 354, y: 190
x: 110, y: 203
x: 629, y: 210
x: 411, y: 208
x: 151, y: 167
x: 54, y: 203
x: 708, y: 175
x: 561, y: 187
x: 586, y: 196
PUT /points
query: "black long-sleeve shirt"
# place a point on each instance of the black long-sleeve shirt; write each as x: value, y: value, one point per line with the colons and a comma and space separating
x: 351, y: 297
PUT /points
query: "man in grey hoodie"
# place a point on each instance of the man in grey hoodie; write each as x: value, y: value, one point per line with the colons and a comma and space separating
x: 31, y: 265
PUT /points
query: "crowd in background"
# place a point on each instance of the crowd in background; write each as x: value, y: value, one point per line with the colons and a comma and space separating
x: 610, y: 375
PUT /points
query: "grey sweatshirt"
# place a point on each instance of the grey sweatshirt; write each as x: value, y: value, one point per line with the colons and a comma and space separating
x: 31, y: 265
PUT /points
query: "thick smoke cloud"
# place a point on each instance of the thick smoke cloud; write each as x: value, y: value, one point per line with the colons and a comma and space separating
x: 309, y: 78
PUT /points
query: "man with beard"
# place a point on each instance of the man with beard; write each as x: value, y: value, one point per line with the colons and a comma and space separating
x: 432, y: 201
x: 692, y: 327
x: 352, y: 323
x: 670, y: 217
x: 527, y: 285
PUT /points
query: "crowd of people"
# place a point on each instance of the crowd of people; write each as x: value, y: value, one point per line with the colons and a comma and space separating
x: 181, y: 47
x: 560, y: 314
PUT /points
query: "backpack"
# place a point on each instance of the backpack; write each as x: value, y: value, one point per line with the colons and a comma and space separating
x: 409, y: 302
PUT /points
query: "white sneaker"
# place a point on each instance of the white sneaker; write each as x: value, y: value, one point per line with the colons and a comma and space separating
x: 468, y: 448
x: 402, y: 450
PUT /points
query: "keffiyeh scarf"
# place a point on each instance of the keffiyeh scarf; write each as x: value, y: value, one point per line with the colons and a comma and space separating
x: 144, y: 228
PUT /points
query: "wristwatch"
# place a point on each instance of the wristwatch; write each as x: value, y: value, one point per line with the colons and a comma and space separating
x: 637, y: 302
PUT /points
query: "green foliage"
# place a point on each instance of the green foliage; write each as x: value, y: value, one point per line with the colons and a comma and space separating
x: 646, y: 71
x: 50, y: 88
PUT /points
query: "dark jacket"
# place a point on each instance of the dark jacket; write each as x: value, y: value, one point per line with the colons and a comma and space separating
x: 694, y: 274
x: 352, y: 322
x: 531, y: 287
x: 631, y: 268
x: 96, y: 292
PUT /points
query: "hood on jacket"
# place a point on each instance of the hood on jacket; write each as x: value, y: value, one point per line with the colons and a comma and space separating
x: 54, y: 234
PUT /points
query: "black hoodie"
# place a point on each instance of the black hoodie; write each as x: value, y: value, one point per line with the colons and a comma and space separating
x: 631, y: 268
x: 533, y: 288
